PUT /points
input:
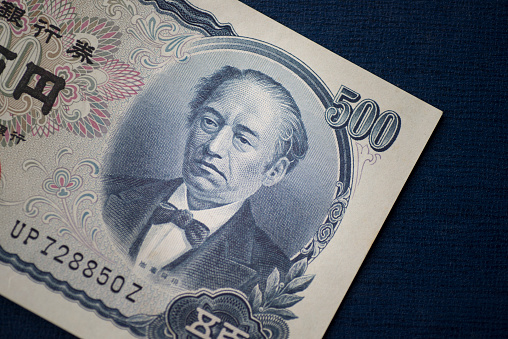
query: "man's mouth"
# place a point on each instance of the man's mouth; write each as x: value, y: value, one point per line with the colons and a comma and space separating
x: 202, y: 163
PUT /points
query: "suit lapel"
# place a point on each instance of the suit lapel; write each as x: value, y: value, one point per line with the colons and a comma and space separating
x: 128, y: 212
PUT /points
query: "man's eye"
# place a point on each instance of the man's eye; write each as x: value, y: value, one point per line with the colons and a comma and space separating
x: 209, y: 122
x: 242, y: 143
x: 243, y: 140
x: 209, y: 125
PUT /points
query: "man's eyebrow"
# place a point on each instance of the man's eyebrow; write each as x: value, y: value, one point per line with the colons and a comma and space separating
x: 207, y: 109
x: 248, y: 130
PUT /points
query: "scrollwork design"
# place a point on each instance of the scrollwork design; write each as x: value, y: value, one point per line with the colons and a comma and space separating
x: 327, y: 230
x: 161, y: 41
x: 163, y: 37
x: 62, y: 185
x: 364, y: 156
x: 114, y: 8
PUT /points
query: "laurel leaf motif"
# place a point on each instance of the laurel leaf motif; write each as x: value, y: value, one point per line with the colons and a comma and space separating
x: 272, y: 284
x: 283, y: 313
x: 285, y: 300
x: 256, y: 298
x: 297, y: 270
x: 299, y: 284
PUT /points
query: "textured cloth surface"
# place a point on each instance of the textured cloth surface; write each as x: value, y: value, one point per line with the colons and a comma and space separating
x: 439, y: 266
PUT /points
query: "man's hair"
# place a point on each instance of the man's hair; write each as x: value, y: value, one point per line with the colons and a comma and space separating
x: 292, y: 142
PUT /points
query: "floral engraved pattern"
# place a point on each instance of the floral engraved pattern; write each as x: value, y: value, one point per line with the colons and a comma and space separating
x: 62, y: 183
x: 60, y: 13
x: 363, y: 156
x: 123, y: 81
x: 160, y: 39
x: 82, y: 106
x: 100, y: 33
x: 23, y: 22
x: 66, y: 208
x: 71, y: 92
x: 162, y: 35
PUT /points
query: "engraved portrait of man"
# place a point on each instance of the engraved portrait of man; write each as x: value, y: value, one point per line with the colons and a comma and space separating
x: 245, y: 132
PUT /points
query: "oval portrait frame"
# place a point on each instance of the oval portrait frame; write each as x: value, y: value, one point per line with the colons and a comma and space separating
x: 330, y: 181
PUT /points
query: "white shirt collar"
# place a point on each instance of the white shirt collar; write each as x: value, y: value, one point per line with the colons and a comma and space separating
x: 213, y: 218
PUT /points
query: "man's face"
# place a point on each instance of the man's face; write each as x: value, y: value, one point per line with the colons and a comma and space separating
x: 230, y: 144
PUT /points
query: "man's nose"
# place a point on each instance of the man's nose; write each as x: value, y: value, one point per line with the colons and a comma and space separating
x: 221, y: 142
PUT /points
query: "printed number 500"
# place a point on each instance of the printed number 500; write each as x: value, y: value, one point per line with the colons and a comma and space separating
x: 364, y: 120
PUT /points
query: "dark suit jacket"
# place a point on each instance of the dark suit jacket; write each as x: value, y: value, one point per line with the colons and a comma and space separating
x: 238, y: 255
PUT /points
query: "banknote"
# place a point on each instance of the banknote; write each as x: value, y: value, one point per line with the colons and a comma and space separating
x: 189, y: 169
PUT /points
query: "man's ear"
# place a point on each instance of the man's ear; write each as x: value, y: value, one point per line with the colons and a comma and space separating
x: 276, y: 172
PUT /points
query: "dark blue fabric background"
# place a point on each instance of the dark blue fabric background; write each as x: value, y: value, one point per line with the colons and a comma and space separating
x: 439, y: 266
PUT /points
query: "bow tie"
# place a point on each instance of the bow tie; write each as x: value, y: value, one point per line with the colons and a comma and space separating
x: 195, y: 231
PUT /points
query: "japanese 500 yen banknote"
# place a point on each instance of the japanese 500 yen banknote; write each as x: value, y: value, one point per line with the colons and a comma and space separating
x: 189, y: 168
